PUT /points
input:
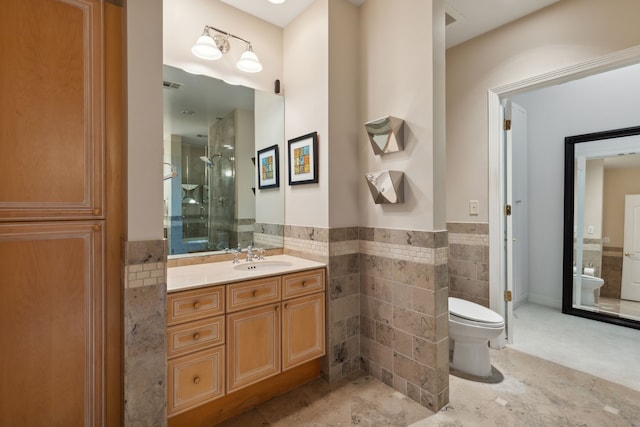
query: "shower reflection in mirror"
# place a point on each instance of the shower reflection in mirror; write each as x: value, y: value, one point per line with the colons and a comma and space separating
x: 210, y: 136
x: 602, y: 236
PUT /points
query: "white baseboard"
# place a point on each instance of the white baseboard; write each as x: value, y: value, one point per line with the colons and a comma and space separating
x: 545, y: 300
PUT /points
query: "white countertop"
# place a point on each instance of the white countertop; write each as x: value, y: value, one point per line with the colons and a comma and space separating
x: 217, y: 273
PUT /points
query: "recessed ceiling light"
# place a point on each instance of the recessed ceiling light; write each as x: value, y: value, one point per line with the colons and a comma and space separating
x: 277, y: 1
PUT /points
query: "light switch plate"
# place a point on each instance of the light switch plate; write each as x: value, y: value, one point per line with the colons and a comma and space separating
x: 473, y: 207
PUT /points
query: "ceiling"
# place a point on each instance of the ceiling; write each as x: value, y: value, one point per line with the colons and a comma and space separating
x: 472, y: 17
x: 187, y: 112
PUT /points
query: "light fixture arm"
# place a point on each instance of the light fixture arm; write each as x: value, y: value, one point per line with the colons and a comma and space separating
x: 205, y: 32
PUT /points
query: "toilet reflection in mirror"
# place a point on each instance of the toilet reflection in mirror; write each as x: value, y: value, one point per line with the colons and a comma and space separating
x: 602, y: 233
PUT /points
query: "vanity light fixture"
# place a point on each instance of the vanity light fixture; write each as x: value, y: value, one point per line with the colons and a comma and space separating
x: 212, y: 47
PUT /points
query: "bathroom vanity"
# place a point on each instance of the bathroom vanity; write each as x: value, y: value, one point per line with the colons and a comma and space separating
x: 240, y: 334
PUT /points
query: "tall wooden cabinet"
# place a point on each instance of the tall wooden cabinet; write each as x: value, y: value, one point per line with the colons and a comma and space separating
x: 60, y: 212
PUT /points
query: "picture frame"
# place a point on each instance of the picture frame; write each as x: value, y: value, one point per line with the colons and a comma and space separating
x: 268, y: 168
x: 303, y: 159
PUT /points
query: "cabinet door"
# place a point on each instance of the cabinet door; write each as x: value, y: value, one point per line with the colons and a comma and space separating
x: 195, y: 379
x: 51, y: 109
x: 302, y: 330
x: 51, y: 312
x: 253, y: 346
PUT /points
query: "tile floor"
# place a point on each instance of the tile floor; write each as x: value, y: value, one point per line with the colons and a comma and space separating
x: 527, y: 391
x: 624, y: 308
x: 607, y: 351
x: 528, y: 388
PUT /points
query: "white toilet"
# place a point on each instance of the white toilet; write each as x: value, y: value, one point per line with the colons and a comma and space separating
x: 589, y: 285
x: 471, y: 326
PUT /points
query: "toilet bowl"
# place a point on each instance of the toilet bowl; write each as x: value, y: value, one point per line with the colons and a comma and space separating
x: 589, y: 285
x: 471, y: 326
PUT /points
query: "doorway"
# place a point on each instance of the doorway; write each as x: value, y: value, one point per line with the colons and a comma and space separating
x: 498, y: 255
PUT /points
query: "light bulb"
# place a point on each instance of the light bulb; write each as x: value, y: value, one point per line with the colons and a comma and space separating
x: 248, y: 62
x: 206, y: 48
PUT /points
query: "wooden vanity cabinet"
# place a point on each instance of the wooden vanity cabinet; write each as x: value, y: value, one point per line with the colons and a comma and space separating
x: 274, y: 332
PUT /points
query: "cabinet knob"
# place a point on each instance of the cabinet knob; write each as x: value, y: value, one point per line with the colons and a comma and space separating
x: 304, y: 283
x: 627, y: 254
x: 196, y: 305
x: 196, y: 336
x: 276, y: 307
x: 254, y: 293
x: 196, y: 380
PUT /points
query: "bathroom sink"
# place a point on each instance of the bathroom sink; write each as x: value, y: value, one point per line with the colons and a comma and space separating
x: 261, y: 265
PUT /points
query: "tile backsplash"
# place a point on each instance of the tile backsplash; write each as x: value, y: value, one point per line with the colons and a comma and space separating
x: 469, y: 261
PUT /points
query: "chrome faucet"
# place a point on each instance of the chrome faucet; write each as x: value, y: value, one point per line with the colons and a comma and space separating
x: 250, y: 254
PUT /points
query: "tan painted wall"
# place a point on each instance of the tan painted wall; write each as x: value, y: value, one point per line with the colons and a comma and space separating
x: 617, y: 183
x: 566, y: 33
x: 345, y: 181
x: 401, y: 78
x: 184, y: 22
x: 306, y: 80
x: 143, y: 218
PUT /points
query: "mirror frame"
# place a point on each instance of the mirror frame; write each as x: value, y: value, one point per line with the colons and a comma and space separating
x: 569, y: 191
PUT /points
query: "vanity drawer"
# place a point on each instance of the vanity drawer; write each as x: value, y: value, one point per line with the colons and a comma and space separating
x: 253, y: 293
x: 197, y: 335
x: 195, y: 304
x: 303, y: 283
x: 194, y: 379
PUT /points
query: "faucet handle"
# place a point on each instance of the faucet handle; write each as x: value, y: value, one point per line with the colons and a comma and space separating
x: 261, y: 254
x: 235, y: 256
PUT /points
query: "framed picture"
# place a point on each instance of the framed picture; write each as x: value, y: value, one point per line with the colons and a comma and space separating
x: 268, y: 171
x: 303, y: 159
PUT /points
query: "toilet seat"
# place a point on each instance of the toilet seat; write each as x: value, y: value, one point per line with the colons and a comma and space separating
x: 470, y: 313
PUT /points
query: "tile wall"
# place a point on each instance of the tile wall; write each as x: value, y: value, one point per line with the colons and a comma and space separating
x: 403, y: 312
x: 469, y: 261
x: 611, y: 272
x: 386, y: 305
x: 267, y: 235
x: 145, y: 346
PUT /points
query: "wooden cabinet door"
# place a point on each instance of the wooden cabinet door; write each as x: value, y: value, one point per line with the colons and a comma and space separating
x: 302, y: 330
x: 253, y: 346
x: 51, y: 109
x: 51, y: 311
x: 194, y: 379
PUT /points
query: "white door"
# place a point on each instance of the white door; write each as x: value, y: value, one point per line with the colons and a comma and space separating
x: 631, y: 259
x: 508, y: 222
x: 515, y: 194
x: 519, y: 208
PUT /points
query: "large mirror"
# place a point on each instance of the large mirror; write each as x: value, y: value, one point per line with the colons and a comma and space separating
x: 601, y: 265
x: 212, y: 131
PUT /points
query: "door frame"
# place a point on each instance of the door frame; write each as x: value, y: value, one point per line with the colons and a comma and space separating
x: 497, y: 257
